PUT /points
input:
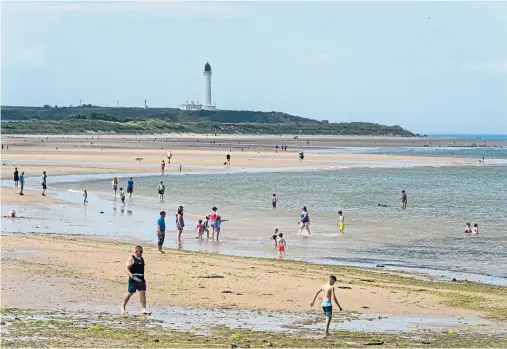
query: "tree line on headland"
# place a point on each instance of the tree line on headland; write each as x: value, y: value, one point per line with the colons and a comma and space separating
x: 88, y: 119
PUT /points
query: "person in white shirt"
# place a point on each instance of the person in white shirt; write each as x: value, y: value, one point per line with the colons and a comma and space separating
x: 169, y: 156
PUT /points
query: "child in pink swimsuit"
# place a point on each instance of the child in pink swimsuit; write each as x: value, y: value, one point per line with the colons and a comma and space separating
x: 199, y: 229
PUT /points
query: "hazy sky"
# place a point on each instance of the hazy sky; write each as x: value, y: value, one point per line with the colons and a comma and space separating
x: 427, y: 66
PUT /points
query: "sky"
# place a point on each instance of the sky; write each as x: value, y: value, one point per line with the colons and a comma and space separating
x: 430, y: 67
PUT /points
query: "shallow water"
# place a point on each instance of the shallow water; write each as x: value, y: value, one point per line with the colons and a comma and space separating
x: 428, y: 235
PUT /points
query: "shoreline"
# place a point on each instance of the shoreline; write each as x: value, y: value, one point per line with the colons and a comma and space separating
x: 65, y: 197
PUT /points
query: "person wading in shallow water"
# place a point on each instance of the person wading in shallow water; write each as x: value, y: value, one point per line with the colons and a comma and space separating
x: 135, y: 270
x: 403, y: 199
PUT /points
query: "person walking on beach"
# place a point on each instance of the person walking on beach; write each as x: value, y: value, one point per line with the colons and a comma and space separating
x: 327, y: 304
x: 162, y: 166
x: 44, y: 183
x: 403, y: 199
x: 130, y: 187
x: 115, y: 186
x: 341, y: 219
x: 213, y: 222
x: 135, y: 270
x: 180, y: 222
x: 85, y: 194
x: 22, y: 182
x: 169, y: 156
x: 304, y: 222
x: 161, y: 231
x: 16, y: 177
x: 161, y: 191
x: 274, y: 199
x: 228, y: 159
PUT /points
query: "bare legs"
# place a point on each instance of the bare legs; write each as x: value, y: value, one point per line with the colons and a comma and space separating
x: 328, y: 322
x: 142, y: 299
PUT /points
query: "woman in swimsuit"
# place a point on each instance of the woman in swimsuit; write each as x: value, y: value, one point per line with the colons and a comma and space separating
x: 304, y: 223
x: 213, y: 222
x: 180, y: 223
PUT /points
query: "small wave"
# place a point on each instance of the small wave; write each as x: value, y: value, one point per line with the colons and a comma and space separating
x: 74, y: 191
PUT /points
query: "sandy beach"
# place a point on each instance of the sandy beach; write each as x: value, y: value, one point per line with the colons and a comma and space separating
x: 57, y: 272
x: 115, y: 154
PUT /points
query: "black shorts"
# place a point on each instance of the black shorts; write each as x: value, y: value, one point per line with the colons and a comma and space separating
x: 44, y: 186
x: 161, y: 192
x: 161, y: 238
x: 136, y: 286
x: 274, y: 203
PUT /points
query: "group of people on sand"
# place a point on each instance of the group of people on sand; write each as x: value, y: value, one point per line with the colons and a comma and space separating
x: 19, y: 181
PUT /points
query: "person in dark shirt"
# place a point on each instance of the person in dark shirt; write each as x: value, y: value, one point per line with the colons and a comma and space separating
x: 135, y: 270
x: 403, y: 199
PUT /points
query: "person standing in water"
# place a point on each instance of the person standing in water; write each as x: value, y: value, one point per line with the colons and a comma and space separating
x: 161, y: 231
x: 115, y: 186
x: 44, y: 183
x: 403, y: 199
x: 180, y: 222
x: 327, y: 304
x: 22, y: 182
x: 281, y: 246
x: 304, y: 223
x: 16, y: 177
x: 135, y: 270
x: 275, y: 237
x: 213, y: 222
x: 122, y: 196
x: 130, y: 187
x: 341, y: 219
x: 274, y: 199
x: 161, y: 191
x: 85, y: 194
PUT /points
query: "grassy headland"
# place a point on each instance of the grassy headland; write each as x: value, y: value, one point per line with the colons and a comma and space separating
x: 91, y: 119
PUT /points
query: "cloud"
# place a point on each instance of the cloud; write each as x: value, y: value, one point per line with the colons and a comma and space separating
x: 318, y: 58
x: 150, y: 9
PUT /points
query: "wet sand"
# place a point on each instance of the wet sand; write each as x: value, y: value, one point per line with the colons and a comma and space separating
x: 116, y: 155
x: 42, y: 271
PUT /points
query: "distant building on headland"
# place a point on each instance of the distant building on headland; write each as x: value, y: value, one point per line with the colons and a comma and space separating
x: 325, y: 121
x: 207, y: 94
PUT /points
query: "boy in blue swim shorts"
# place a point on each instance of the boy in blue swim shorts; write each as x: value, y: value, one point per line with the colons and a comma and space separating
x: 327, y: 304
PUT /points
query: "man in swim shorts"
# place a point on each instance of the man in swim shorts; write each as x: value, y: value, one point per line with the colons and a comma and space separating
x: 135, y: 270
x: 327, y: 304
x: 161, y: 231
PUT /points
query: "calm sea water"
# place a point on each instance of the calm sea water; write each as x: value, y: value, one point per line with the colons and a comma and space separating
x: 456, y: 152
x: 429, y: 234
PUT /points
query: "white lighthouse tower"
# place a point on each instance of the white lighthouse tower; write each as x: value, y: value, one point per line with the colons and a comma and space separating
x: 207, y: 87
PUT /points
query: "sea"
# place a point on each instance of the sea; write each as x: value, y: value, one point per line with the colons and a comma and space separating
x: 428, y: 237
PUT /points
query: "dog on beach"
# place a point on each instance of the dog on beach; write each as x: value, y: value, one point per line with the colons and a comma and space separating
x: 139, y: 159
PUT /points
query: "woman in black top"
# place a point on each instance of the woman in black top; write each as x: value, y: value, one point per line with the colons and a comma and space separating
x: 16, y: 177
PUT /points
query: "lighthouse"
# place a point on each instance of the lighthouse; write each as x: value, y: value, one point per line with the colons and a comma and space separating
x: 207, y: 87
